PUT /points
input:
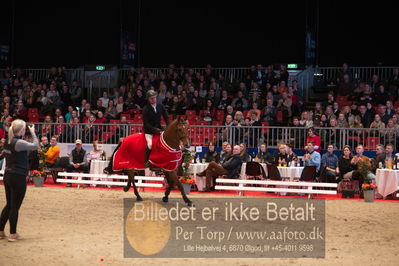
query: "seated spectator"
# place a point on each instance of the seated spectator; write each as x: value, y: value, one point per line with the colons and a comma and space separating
x: 240, y: 103
x: 245, y: 157
x: 381, y: 96
x: 226, y: 152
x: 254, y: 109
x: 77, y: 159
x: 53, y: 153
x: 176, y: 108
x: 104, y: 100
x: 229, y: 111
x: 230, y: 167
x: 312, y: 157
x: 382, y: 156
x: 291, y: 156
x: 90, y: 129
x: 269, y: 112
x: 139, y: 99
x: 318, y: 109
x: 209, y: 112
x: 99, y: 107
x: 362, y: 165
x: 212, y: 155
x: 120, y: 106
x: 377, y: 123
x: 305, y: 120
x: 21, y: 112
x: 329, y: 164
x: 281, y: 157
x: 76, y: 92
x: 312, y: 137
x: 224, y: 101
x: 6, y: 120
x: 263, y: 155
x: 333, y: 133
x: 96, y: 153
x: 110, y: 111
x: 239, y: 118
x: 344, y: 164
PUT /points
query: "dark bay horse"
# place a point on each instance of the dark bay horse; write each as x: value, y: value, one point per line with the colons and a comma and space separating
x: 174, y: 136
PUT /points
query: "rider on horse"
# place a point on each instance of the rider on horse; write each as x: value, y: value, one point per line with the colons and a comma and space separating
x: 152, y: 113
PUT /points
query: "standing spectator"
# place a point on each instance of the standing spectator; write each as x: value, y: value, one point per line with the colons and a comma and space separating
x: 312, y: 137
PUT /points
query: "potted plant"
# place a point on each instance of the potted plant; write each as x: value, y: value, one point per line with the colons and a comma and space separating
x: 368, y: 192
x: 186, y: 179
x: 38, y: 178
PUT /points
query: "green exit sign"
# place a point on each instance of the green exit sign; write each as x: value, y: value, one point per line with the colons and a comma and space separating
x: 290, y: 66
x: 100, y: 68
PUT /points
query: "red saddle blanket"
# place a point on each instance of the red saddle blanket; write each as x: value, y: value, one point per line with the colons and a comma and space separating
x: 130, y: 154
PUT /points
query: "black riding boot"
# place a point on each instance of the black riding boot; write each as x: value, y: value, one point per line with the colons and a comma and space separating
x: 108, y: 170
x: 146, y: 157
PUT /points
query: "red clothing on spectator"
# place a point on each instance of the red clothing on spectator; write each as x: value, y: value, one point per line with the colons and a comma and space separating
x: 316, y: 140
x: 2, y: 135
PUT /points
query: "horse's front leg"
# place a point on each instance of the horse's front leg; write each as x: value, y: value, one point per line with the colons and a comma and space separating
x: 173, y: 177
x: 130, y: 179
x: 131, y: 174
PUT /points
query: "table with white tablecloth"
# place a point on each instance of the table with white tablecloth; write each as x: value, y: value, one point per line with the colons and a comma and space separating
x: 292, y: 172
x: 387, y: 181
x: 196, y: 168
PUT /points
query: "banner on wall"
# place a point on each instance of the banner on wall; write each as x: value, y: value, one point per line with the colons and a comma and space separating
x: 127, y: 50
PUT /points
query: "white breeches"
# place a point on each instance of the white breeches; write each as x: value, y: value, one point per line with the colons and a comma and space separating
x: 148, y: 138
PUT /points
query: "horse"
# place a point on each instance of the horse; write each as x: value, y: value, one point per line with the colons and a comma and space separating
x: 166, y: 154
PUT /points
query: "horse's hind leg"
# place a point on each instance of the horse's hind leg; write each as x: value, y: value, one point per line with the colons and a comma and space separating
x: 130, y: 174
x: 168, y: 188
x: 130, y: 179
x: 173, y: 178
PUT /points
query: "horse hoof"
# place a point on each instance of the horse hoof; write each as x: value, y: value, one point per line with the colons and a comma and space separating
x: 190, y: 204
x: 139, y: 199
x: 165, y: 199
x: 126, y: 189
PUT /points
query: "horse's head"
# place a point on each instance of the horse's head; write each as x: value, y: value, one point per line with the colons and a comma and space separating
x: 182, y: 132
x: 177, y: 134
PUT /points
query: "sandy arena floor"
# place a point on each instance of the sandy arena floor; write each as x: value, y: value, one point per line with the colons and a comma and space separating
x: 64, y: 226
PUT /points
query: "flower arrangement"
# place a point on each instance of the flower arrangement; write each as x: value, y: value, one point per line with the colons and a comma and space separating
x: 368, y: 187
x: 187, y: 158
x: 37, y: 173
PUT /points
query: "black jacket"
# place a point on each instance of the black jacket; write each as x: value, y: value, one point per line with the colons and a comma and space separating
x: 152, y: 120
x: 233, y: 165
